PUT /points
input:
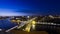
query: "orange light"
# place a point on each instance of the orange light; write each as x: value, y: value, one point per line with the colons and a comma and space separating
x: 18, y: 21
x: 13, y: 20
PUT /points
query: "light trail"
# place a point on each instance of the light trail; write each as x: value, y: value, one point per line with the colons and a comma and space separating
x: 26, y: 22
x: 28, y: 27
x: 21, y: 25
x: 30, y: 24
x: 11, y: 28
x: 47, y: 23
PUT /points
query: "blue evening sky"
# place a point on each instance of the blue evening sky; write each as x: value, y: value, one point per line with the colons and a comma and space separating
x: 30, y: 7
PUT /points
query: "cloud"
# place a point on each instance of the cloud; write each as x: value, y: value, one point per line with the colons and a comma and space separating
x: 14, y: 12
x: 9, y: 12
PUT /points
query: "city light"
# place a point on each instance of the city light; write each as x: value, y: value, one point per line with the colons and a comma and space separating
x: 28, y: 16
x: 18, y: 21
x: 29, y: 25
x: 0, y: 29
x: 13, y: 20
x: 27, y: 29
x: 33, y: 22
x: 33, y: 27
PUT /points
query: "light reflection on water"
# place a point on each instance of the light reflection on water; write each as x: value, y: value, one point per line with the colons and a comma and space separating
x: 5, y: 24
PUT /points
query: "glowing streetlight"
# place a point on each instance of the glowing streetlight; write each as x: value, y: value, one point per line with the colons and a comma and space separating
x: 33, y: 22
x: 18, y: 21
x: 28, y: 16
x: 33, y: 25
x: 13, y: 20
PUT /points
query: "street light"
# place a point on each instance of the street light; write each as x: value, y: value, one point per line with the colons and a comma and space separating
x: 33, y: 25
x: 18, y: 21
x: 28, y: 16
x: 13, y: 20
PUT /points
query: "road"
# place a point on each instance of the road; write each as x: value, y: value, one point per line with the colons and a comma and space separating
x: 21, y: 25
